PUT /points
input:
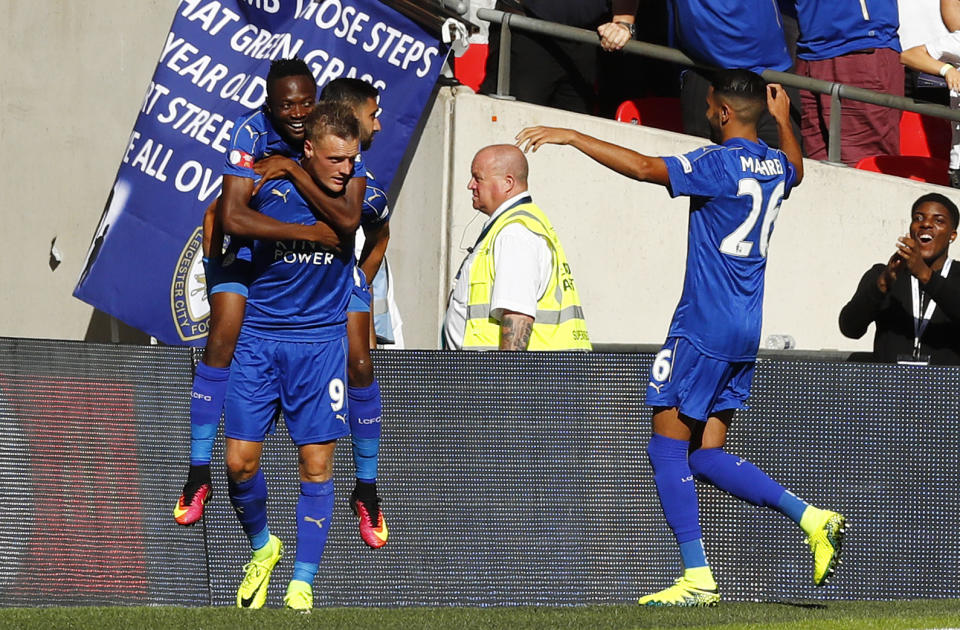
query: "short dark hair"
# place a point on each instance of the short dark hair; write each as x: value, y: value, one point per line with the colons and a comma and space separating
x: 746, y: 88
x: 943, y: 201
x: 351, y: 92
x: 335, y: 119
x: 282, y: 68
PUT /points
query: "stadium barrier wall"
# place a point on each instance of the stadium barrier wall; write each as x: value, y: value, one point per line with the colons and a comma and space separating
x: 626, y: 241
x: 507, y: 479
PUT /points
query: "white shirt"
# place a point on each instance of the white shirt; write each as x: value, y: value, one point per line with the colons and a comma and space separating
x: 920, y: 22
x: 523, y: 264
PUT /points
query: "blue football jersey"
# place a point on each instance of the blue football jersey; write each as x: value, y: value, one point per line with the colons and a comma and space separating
x: 300, y: 289
x: 375, y: 211
x: 254, y: 138
x: 735, y: 192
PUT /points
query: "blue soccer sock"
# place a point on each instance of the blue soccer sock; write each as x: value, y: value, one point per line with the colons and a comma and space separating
x: 678, y: 497
x: 314, y: 513
x: 206, y: 405
x: 793, y: 506
x: 737, y: 476
x: 249, y: 500
x: 365, y: 411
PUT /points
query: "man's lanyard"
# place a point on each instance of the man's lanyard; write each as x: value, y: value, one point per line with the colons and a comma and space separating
x: 920, y: 323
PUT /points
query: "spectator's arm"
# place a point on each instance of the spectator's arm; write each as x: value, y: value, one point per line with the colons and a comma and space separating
x: 515, y: 330
x: 862, y: 308
x: 950, y: 14
x: 920, y: 59
x: 614, y: 35
x: 622, y: 160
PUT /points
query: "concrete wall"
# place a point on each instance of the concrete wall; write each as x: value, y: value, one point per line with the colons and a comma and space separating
x: 627, y: 241
x: 71, y: 84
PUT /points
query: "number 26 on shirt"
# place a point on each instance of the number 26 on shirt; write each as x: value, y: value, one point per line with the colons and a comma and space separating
x: 735, y: 244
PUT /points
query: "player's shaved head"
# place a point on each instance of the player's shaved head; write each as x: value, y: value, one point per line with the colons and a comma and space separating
x: 505, y: 159
x: 742, y: 91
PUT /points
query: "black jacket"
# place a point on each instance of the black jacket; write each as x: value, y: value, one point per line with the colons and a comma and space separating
x: 893, y: 314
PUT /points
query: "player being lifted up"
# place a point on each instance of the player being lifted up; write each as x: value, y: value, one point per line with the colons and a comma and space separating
x: 276, y: 130
x: 704, y: 370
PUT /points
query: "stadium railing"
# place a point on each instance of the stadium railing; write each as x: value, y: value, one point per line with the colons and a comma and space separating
x: 836, y: 91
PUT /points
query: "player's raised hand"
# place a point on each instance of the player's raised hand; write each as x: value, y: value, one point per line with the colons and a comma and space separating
x: 778, y: 102
x: 272, y: 167
x: 532, y: 138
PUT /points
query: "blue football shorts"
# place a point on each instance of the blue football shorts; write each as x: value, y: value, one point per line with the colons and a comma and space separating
x: 360, y: 297
x: 697, y: 385
x: 308, y: 381
x: 227, y: 274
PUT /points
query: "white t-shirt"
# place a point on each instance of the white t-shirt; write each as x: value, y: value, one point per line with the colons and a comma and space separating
x: 945, y: 48
x: 920, y: 22
x: 523, y: 264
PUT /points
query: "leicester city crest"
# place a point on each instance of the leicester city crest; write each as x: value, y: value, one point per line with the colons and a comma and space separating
x: 188, y: 292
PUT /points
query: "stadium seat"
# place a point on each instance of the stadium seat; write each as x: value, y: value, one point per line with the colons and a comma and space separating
x: 925, y: 136
x: 919, y: 168
x: 662, y: 112
x: 471, y: 68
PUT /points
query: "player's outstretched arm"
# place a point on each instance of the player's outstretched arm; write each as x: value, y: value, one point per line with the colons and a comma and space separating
x: 622, y: 160
x: 238, y: 219
x: 779, y: 105
x: 341, y: 212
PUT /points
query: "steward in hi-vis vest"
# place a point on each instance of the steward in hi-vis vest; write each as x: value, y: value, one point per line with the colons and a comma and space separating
x: 559, y: 322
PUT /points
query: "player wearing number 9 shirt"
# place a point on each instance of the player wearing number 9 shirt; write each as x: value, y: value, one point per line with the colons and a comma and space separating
x: 704, y: 371
x: 292, y: 355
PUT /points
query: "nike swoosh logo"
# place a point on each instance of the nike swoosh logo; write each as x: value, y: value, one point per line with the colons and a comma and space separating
x: 246, y: 601
x: 178, y: 511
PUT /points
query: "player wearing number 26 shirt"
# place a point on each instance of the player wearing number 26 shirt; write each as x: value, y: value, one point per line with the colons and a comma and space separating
x: 704, y: 370
x: 735, y: 191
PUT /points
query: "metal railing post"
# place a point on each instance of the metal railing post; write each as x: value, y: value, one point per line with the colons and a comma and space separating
x: 503, y: 63
x: 834, y: 139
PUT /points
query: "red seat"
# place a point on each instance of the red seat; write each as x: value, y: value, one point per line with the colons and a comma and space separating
x: 924, y: 135
x: 919, y: 168
x: 662, y: 112
x: 471, y: 68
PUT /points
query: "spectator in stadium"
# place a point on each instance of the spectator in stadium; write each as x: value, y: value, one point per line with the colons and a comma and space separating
x: 228, y: 291
x: 515, y: 289
x: 854, y: 43
x: 914, y: 299
x: 744, y: 34
x: 704, y: 371
x: 939, y: 57
x: 545, y: 70
x: 291, y: 356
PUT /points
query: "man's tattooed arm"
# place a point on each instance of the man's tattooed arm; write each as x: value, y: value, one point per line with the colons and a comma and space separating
x: 515, y: 331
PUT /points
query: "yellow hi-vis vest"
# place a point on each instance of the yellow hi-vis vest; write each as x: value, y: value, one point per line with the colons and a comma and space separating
x: 559, y: 323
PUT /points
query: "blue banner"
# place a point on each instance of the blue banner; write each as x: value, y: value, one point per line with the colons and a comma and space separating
x: 144, y: 265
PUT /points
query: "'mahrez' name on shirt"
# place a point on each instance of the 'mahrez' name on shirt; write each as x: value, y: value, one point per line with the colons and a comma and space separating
x: 761, y: 167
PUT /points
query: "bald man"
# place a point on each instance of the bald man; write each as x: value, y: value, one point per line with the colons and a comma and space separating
x: 515, y: 289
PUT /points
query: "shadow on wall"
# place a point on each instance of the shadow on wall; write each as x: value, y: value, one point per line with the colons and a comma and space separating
x: 105, y: 329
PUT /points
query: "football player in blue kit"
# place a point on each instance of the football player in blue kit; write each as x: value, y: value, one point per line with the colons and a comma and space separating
x: 291, y: 355
x: 277, y: 130
x: 704, y: 371
x: 363, y: 390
